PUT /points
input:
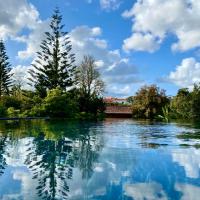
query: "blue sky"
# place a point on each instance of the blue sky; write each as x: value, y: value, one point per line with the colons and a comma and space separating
x: 134, y: 42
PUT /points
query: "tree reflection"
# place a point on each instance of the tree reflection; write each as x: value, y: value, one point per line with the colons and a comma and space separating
x: 52, y: 160
x: 2, y: 151
x: 86, y: 153
x: 51, y: 164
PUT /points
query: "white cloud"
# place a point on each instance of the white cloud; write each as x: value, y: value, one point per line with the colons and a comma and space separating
x: 20, y: 21
x: 119, y: 90
x: 186, y: 74
x: 21, y: 75
x: 16, y: 15
x: 190, y: 160
x: 159, y: 18
x: 33, y: 40
x: 141, y: 42
x: 99, y: 63
x: 188, y: 191
x: 141, y: 191
x: 110, y: 4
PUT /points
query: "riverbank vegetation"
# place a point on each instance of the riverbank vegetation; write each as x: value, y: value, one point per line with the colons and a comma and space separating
x: 151, y: 102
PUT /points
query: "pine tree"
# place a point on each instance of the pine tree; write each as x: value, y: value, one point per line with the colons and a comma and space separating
x: 54, y: 65
x: 5, y: 75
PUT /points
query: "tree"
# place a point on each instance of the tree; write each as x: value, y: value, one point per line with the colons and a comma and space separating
x: 5, y: 75
x: 90, y: 86
x: 181, y: 104
x: 149, y: 101
x: 195, y: 103
x: 88, y: 78
x: 54, y: 66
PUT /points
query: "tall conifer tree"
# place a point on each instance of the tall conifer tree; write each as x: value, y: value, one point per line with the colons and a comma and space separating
x: 54, y: 66
x: 5, y: 68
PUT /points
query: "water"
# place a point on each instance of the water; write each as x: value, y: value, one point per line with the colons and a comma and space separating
x: 110, y: 160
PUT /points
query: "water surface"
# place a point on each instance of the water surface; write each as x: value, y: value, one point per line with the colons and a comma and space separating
x: 110, y: 160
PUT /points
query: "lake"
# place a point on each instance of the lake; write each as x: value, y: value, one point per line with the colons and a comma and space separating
x: 117, y: 159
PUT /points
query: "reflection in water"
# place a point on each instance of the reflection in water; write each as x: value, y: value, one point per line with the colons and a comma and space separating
x: 51, y: 164
x: 190, y: 160
x: 120, y: 159
x: 141, y: 191
x: 50, y: 155
x: 2, y: 151
x: 188, y: 191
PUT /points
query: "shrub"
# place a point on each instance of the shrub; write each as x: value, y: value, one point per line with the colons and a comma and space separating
x: 58, y: 104
x: 2, y: 111
x: 11, y: 101
x: 11, y: 112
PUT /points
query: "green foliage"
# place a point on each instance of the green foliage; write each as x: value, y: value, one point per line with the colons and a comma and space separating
x: 36, y: 111
x: 195, y: 102
x: 130, y: 100
x: 148, y: 102
x: 11, y: 101
x: 58, y: 104
x: 181, y: 105
x: 5, y: 75
x: 11, y: 112
x: 93, y: 105
x: 2, y: 110
x: 186, y: 104
x: 54, y: 64
x: 165, y: 114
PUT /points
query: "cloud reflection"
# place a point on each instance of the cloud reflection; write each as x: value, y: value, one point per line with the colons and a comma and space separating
x: 141, y: 191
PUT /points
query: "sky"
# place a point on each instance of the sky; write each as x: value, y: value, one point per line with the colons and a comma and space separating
x: 134, y: 42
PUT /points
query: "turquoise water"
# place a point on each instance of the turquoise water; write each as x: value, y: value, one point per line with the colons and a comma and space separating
x: 110, y: 160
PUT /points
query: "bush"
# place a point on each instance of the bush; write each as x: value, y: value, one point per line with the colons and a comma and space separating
x: 36, y: 111
x: 93, y: 105
x: 11, y: 101
x: 58, y: 104
x: 2, y: 111
x: 11, y: 112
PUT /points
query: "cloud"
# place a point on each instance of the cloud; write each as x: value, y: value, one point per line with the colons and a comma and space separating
x: 188, y: 191
x: 141, y: 191
x: 118, y: 90
x: 21, y: 75
x: 16, y: 15
x: 190, y: 160
x: 32, y: 41
x: 154, y: 20
x: 141, y: 42
x: 186, y: 74
x: 20, y: 21
x: 110, y: 4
